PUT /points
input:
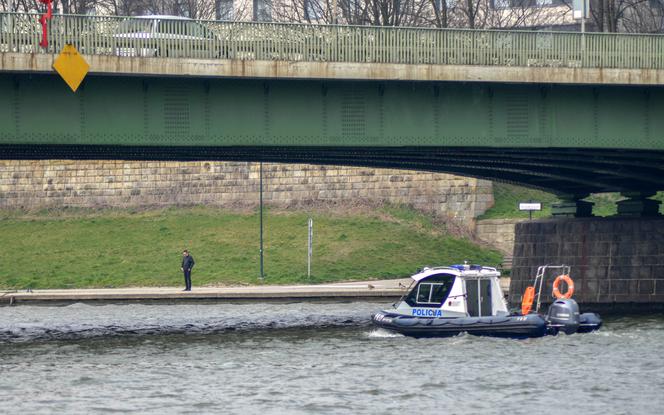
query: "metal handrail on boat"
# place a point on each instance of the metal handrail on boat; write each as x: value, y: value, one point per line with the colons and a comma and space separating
x: 539, y: 279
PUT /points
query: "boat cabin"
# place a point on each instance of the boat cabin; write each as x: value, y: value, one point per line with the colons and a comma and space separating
x: 454, y: 291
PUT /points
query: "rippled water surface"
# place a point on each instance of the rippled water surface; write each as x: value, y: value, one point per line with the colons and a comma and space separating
x: 311, y: 358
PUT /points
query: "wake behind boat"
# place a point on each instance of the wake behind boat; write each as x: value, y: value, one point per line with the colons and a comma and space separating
x: 446, y: 301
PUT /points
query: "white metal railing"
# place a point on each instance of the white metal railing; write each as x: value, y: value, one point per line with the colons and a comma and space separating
x: 125, y: 36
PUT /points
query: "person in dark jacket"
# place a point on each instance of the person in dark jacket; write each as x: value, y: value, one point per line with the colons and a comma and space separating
x: 187, y: 265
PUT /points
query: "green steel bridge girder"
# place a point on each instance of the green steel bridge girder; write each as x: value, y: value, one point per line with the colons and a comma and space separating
x: 571, y: 140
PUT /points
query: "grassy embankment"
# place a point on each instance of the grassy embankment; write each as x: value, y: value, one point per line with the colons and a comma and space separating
x: 116, y: 248
x: 507, y: 198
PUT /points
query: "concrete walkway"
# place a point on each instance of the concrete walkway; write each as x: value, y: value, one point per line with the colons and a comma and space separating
x: 387, y: 289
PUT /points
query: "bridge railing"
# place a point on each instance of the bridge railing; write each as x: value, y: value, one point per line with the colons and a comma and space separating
x: 123, y: 36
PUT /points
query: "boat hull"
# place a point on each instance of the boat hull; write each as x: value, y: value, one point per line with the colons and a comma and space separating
x: 589, y: 322
x: 532, y: 325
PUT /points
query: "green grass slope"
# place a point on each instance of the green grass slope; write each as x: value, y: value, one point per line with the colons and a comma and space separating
x: 506, y: 202
x: 123, y: 248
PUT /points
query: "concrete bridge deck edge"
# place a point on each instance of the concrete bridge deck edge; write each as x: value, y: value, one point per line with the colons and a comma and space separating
x: 151, y: 66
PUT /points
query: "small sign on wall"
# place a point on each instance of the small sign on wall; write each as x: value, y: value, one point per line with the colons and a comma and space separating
x: 530, y: 206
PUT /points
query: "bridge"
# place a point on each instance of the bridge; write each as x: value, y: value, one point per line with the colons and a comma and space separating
x: 564, y: 112
x: 569, y: 113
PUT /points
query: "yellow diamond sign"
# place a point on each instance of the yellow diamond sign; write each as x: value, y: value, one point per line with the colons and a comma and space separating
x: 71, y: 66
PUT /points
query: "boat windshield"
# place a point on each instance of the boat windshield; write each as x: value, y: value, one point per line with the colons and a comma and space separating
x: 431, y: 292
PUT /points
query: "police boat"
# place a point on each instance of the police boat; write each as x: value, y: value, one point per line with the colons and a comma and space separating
x: 447, y: 301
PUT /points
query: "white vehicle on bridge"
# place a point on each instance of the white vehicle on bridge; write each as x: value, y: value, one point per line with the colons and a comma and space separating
x: 166, y: 36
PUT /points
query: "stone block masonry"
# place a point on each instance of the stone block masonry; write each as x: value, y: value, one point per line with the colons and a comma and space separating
x: 498, y: 233
x: 616, y: 263
x: 44, y: 184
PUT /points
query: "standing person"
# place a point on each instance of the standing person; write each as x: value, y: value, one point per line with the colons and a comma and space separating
x: 187, y: 265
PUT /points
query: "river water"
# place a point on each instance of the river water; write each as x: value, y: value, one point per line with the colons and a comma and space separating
x: 311, y: 358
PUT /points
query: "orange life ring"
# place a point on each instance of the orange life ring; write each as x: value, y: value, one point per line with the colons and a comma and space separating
x: 528, y: 297
x: 556, y: 285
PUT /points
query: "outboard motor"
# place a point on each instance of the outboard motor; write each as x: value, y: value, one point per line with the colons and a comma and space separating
x: 563, y: 316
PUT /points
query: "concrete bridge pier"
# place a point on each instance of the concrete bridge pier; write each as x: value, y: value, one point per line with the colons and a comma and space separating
x: 638, y: 204
x: 572, y: 206
x: 635, y: 204
x: 617, y: 263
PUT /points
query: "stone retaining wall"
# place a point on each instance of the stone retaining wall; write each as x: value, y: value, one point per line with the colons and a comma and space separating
x: 614, y: 261
x: 58, y: 183
x: 499, y: 233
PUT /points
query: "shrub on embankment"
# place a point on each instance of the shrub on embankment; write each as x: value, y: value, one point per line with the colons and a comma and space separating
x: 122, y: 248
